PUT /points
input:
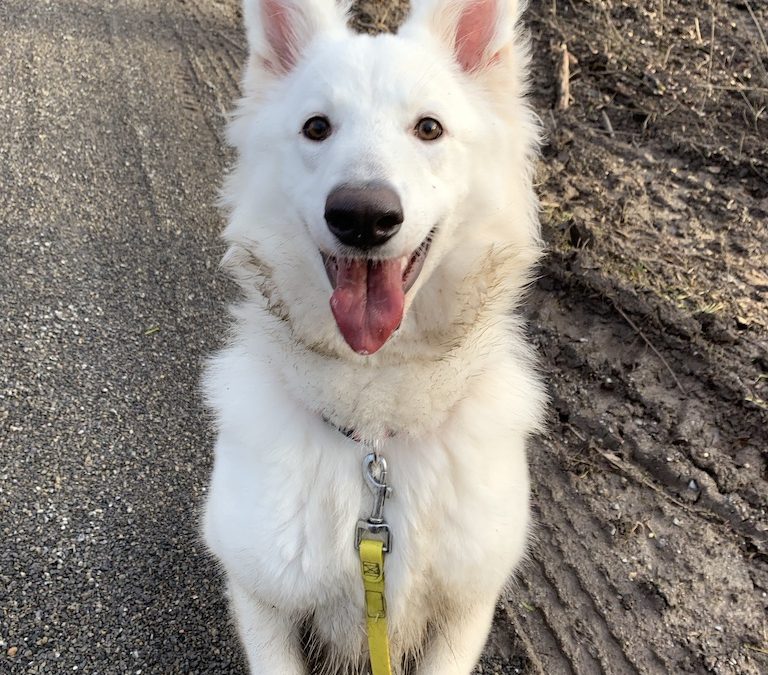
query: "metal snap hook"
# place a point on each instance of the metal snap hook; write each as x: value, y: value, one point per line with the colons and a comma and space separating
x: 375, y: 475
x: 375, y: 472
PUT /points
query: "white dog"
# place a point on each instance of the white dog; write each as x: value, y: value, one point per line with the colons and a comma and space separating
x: 382, y: 227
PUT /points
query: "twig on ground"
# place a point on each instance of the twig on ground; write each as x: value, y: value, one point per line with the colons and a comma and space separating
x: 711, y: 48
x: 564, y: 79
x: 607, y: 123
x: 666, y: 57
x: 650, y: 344
x: 575, y: 432
x: 614, y: 459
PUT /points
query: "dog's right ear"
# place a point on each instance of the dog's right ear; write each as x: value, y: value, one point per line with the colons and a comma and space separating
x: 478, y: 32
x: 278, y: 30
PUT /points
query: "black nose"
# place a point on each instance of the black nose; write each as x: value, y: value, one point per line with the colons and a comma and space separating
x: 364, y: 216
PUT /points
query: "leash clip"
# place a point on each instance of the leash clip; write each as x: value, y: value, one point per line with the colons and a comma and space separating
x: 375, y: 474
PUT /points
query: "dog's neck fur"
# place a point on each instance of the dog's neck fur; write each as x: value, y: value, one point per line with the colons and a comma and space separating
x: 443, y: 345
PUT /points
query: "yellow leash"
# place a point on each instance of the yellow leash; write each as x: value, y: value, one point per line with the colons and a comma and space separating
x: 373, y: 541
x: 372, y: 569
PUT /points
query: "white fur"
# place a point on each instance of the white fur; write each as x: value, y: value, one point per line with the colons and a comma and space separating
x: 452, y: 396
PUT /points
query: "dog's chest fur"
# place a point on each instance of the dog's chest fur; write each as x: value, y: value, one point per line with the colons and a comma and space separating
x: 284, y: 502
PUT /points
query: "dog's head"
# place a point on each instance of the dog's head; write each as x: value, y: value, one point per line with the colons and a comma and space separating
x: 375, y: 170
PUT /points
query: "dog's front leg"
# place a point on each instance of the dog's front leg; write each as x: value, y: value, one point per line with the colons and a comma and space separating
x: 459, y: 639
x: 269, y: 636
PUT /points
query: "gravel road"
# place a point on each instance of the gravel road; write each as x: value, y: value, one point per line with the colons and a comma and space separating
x: 111, y: 157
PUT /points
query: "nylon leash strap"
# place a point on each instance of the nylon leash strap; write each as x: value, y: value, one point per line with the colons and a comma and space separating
x: 373, y: 540
x: 372, y: 568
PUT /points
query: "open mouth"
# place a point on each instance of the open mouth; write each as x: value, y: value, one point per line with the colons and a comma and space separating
x: 368, y: 297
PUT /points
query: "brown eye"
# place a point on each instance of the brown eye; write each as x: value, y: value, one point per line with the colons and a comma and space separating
x: 428, y: 129
x: 317, y: 128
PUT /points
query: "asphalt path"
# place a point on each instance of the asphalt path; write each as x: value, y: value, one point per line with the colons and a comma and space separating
x: 111, y: 155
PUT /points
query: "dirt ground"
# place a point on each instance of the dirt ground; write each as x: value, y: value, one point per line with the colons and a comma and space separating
x: 650, y: 315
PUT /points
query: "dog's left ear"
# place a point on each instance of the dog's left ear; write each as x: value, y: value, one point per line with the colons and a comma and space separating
x: 477, y: 31
x: 279, y: 30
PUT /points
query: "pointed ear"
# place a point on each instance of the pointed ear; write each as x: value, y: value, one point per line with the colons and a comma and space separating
x: 476, y: 31
x: 279, y: 30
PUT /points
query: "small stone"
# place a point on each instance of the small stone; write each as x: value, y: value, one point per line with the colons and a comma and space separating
x: 12, y: 651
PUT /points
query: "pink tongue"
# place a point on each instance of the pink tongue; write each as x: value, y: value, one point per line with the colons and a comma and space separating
x: 368, y: 301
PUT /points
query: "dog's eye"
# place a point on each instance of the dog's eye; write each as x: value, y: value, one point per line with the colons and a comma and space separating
x: 317, y: 128
x: 428, y: 129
